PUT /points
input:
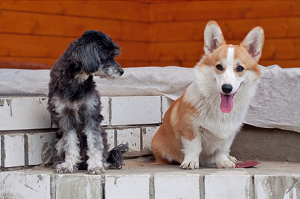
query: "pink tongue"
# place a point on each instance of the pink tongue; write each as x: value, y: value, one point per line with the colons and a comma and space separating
x: 226, y: 103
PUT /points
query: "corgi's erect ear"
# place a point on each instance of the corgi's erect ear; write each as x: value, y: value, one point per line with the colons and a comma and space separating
x: 213, y: 37
x: 254, y: 42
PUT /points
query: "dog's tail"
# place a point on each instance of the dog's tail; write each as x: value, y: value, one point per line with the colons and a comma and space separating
x: 115, y: 156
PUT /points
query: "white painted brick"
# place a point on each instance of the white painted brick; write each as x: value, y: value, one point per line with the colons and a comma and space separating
x: 176, y: 185
x: 77, y: 186
x: 14, y: 150
x: 165, y: 104
x: 24, y: 113
x: 270, y: 186
x: 110, y: 138
x: 132, y: 136
x: 135, y: 110
x: 147, y: 135
x: 40, y: 148
x: 16, y: 184
x: 0, y: 151
x: 105, y: 110
x: 127, y: 187
x: 228, y: 186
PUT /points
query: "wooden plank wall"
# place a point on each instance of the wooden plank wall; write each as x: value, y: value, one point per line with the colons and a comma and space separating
x: 149, y: 33
x: 40, y: 32
x: 176, y: 31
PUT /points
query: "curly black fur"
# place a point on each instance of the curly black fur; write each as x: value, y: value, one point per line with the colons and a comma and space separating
x: 74, y: 102
x: 115, y: 157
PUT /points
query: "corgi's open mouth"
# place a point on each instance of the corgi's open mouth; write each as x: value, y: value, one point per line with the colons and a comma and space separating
x: 227, y: 102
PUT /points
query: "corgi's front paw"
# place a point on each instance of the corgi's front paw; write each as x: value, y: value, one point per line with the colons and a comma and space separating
x: 233, y: 159
x: 189, y: 165
x: 225, y: 164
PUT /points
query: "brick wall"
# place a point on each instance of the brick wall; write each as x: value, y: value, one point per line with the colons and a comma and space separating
x: 27, y: 136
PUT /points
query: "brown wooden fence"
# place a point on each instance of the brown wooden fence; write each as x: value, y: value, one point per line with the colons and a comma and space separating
x: 149, y: 33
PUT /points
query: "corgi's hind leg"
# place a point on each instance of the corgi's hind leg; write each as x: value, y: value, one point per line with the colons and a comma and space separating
x: 161, y: 157
x: 159, y: 160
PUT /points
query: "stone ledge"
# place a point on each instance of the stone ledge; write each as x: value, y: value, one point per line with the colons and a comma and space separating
x: 139, y: 178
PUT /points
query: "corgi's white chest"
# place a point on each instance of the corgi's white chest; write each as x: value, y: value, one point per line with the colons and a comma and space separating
x: 221, y: 127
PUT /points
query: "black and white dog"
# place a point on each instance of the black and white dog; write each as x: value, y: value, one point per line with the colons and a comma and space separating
x: 74, y: 103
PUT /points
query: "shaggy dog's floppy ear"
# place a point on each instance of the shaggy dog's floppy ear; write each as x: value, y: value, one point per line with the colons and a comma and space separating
x: 86, y: 54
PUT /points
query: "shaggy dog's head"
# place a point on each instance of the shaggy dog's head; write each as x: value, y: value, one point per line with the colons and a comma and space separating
x: 94, y: 54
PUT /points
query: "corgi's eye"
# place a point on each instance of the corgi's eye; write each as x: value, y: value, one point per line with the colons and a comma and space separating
x: 239, y: 69
x: 219, y: 67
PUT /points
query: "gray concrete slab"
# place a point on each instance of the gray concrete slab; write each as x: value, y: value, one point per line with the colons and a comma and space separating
x: 141, y: 178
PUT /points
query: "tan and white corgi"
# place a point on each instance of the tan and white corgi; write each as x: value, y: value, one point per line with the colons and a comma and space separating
x: 199, y: 127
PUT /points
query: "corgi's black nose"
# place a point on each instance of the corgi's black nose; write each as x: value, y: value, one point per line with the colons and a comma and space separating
x: 227, y: 88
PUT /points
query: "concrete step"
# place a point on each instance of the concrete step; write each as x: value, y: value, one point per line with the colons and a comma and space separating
x: 253, y: 143
x: 141, y: 179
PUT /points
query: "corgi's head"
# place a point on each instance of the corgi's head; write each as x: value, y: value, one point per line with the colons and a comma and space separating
x: 230, y: 66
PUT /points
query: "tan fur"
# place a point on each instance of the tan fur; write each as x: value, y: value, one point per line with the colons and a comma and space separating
x: 194, y: 114
x: 177, y: 123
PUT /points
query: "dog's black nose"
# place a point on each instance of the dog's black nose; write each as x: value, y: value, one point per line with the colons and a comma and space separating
x: 227, y: 88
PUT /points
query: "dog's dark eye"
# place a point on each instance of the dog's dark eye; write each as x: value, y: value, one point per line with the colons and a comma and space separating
x: 239, y: 69
x: 219, y: 67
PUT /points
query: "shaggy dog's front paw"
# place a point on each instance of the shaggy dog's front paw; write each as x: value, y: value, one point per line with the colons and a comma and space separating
x: 96, y: 170
x: 65, y: 168
x: 226, y: 164
x: 189, y: 165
